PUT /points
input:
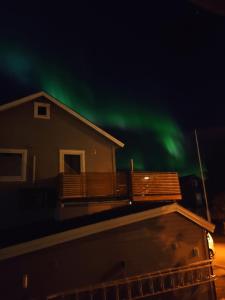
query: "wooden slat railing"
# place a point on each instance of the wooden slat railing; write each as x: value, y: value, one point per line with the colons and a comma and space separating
x: 122, y: 184
x: 72, y: 185
x: 152, y: 186
x: 139, y: 186
x: 100, y: 184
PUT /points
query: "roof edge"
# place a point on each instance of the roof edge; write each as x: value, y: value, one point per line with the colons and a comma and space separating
x: 195, y: 218
x: 77, y: 233
x: 31, y: 97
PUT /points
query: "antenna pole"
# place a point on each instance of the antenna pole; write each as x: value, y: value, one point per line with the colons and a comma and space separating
x: 132, y: 165
x: 202, y: 177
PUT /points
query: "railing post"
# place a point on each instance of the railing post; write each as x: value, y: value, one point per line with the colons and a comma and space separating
x: 130, y: 184
x: 131, y: 179
x: 83, y: 182
x: 113, y: 182
x: 60, y: 185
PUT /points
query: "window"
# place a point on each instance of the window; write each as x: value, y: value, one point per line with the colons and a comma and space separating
x: 41, y: 110
x: 72, y: 161
x: 13, y: 164
x: 72, y: 164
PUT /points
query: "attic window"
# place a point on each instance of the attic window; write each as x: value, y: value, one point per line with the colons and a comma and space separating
x: 41, y: 110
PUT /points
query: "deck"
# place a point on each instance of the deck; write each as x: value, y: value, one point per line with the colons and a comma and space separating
x: 136, y: 186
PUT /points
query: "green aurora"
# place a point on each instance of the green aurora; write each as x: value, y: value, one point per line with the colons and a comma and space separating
x: 153, y: 138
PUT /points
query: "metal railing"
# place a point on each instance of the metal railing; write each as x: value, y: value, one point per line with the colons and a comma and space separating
x: 144, y: 285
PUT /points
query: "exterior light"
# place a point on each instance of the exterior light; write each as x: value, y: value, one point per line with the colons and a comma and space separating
x: 146, y: 178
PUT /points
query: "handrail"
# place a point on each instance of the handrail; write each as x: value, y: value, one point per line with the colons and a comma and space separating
x: 139, y: 186
x: 149, y: 284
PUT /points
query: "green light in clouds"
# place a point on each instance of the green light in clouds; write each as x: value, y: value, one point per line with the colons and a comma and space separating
x: 16, y: 63
x: 105, y: 111
x: 69, y: 98
x: 173, y: 146
x: 163, y: 127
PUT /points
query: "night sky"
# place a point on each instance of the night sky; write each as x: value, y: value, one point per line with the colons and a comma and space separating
x: 149, y: 72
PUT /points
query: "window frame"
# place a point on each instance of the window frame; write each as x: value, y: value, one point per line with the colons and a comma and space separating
x: 63, y: 152
x: 41, y: 104
x: 23, y: 176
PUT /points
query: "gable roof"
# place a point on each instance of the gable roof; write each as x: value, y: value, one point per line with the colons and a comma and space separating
x: 64, y: 107
x: 77, y: 233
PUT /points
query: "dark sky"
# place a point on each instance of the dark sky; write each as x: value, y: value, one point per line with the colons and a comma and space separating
x: 162, y: 58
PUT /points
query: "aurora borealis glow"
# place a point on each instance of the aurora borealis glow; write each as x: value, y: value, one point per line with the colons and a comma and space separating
x: 153, y: 129
x: 143, y: 75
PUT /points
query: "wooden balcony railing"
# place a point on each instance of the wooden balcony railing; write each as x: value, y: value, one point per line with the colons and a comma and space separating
x: 138, y: 186
x: 147, y: 186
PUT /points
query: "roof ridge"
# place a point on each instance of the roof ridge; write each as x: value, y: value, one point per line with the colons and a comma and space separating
x: 69, y: 110
x: 105, y: 225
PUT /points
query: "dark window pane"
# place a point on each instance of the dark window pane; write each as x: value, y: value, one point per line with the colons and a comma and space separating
x: 10, y: 164
x: 42, y: 110
x: 72, y: 164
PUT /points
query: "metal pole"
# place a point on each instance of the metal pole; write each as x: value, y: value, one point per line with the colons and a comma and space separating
x: 203, y: 179
x: 132, y: 165
x: 131, y: 180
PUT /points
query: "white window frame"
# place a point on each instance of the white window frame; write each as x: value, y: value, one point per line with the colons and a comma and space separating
x: 41, y: 104
x: 23, y: 175
x: 62, y: 152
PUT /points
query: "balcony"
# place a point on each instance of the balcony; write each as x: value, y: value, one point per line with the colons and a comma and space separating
x: 136, y: 186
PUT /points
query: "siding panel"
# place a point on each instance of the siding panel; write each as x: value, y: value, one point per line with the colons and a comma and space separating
x: 151, y: 245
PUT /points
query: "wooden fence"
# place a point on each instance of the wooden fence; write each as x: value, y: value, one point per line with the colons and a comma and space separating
x: 138, y: 186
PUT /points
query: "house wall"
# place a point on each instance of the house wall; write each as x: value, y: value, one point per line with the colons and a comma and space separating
x: 44, y: 138
x: 141, y: 247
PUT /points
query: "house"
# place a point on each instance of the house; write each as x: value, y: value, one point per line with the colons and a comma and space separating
x: 56, y: 163
x: 41, y: 138
x: 126, y: 253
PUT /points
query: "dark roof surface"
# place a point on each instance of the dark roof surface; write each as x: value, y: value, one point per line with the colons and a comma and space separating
x: 33, y: 231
